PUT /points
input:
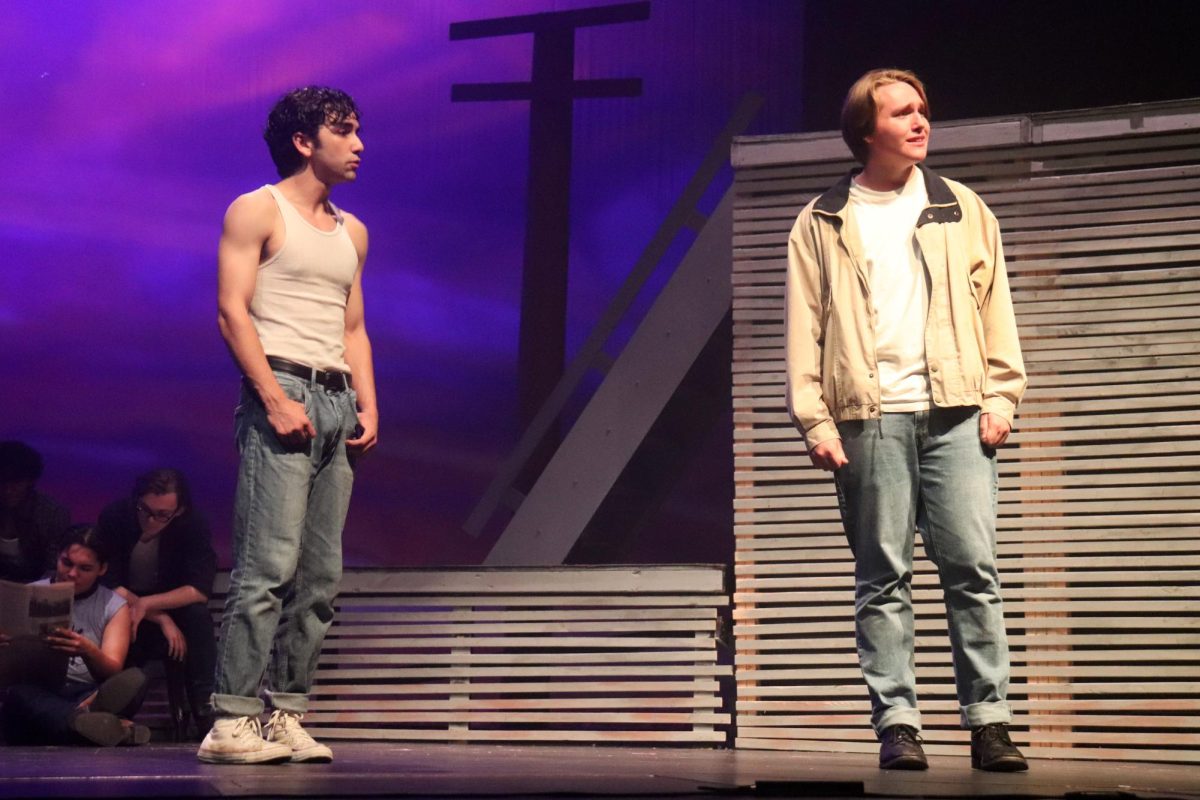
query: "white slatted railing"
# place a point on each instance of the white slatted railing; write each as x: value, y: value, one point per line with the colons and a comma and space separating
x: 539, y: 654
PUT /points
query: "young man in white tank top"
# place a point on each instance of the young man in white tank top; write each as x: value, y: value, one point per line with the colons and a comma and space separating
x: 291, y: 312
x: 904, y: 371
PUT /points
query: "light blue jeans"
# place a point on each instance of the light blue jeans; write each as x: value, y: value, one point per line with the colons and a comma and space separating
x: 926, y: 470
x: 287, y: 550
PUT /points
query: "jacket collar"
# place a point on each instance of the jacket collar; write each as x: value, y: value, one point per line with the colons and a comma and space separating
x: 941, y: 196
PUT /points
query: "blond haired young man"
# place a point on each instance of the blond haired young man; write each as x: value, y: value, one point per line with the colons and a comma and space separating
x: 904, y: 371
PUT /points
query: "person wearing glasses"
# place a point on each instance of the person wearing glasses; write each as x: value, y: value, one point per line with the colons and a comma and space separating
x: 162, y: 562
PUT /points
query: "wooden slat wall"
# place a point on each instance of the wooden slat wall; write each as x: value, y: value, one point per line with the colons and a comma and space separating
x: 555, y: 654
x: 1098, y: 544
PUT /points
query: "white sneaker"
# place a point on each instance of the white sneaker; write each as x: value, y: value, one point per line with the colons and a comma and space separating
x: 284, y: 727
x: 239, y: 740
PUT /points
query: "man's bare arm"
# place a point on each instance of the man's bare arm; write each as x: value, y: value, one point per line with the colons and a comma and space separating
x: 248, y: 224
x: 358, y: 347
x: 154, y: 607
x: 178, y: 597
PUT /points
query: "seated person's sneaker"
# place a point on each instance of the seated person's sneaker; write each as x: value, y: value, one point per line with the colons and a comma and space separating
x: 239, y: 740
x: 900, y: 748
x: 284, y: 727
x: 992, y: 750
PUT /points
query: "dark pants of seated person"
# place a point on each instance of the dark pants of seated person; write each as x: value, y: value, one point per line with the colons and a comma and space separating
x: 200, y: 662
x: 35, y: 715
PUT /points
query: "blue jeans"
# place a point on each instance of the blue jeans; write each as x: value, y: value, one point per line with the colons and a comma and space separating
x: 287, y: 549
x: 925, y: 470
x: 35, y: 715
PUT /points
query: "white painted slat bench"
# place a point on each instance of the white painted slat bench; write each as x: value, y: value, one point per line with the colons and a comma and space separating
x: 543, y: 654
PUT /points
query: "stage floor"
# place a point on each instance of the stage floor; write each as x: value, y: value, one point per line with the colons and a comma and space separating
x: 433, y: 770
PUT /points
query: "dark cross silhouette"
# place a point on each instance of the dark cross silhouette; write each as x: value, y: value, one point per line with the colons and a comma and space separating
x: 551, y: 93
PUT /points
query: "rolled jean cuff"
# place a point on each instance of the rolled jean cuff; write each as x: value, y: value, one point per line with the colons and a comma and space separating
x: 288, y: 701
x: 232, y: 705
x: 897, y: 715
x: 977, y: 714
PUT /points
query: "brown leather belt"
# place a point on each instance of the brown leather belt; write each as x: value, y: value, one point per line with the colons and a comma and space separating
x: 332, y: 380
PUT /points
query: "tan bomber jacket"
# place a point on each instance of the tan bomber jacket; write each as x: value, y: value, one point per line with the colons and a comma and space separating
x: 971, y: 344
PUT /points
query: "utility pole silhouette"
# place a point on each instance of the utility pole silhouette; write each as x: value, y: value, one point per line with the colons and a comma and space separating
x: 551, y: 92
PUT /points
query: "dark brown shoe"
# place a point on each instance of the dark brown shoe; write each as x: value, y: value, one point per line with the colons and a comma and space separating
x: 135, y: 735
x: 98, y: 727
x: 992, y: 750
x: 900, y: 748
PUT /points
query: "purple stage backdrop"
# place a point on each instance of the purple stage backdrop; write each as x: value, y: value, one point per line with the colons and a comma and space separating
x: 131, y: 126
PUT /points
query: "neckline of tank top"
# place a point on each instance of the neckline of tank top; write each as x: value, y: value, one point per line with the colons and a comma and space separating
x: 339, y: 222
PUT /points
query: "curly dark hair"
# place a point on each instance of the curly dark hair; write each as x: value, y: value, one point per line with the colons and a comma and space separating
x: 303, y: 110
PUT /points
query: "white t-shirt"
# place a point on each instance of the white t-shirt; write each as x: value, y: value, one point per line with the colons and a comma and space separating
x: 886, y: 224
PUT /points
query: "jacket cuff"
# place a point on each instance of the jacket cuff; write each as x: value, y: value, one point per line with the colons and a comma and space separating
x: 821, y: 432
x: 1000, y: 406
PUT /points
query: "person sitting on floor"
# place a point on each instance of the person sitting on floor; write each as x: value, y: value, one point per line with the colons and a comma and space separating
x: 164, y: 565
x: 31, y: 524
x: 94, y: 702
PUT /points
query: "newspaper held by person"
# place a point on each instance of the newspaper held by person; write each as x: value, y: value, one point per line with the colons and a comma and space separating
x: 28, y: 613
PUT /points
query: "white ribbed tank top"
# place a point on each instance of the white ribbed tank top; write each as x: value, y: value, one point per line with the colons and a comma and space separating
x: 299, y: 303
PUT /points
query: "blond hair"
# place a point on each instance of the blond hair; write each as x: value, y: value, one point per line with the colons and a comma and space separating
x: 859, y: 108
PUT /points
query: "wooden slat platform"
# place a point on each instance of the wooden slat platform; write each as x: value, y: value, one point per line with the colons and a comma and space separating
x: 555, y: 654
x: 1099, y: 511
